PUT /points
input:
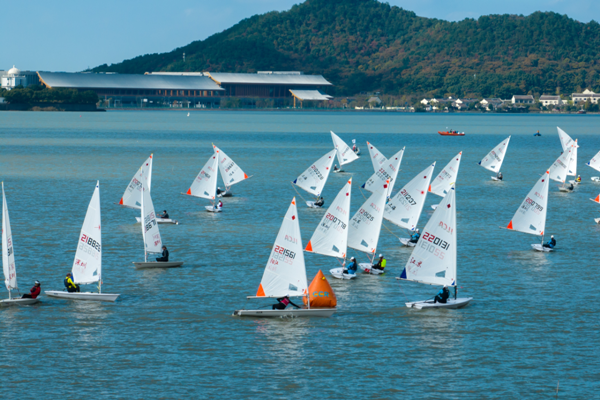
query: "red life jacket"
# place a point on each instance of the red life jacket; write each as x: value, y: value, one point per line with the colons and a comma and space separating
x: 35, y: 291
x: 285, y: 301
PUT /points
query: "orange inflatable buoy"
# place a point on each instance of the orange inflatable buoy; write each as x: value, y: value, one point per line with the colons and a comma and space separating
x: 321, y: 294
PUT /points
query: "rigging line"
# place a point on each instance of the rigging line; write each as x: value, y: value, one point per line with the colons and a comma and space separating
x: 294, y: 186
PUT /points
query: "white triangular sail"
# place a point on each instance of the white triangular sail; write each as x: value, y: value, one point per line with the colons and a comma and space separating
x: 150, y: 233
x: 573, y: 161
x: 331, y: 236
x: 493, y: 161
x: 433, y: 261
x: 205, y: 184
x: 595, y: 162
x: 87, y: 266
x: 558, y: 171
x: 8, y: 254
x: 132, y: 198
x: 376, y: 157
x: 531, y: 215
x: 231, y: 173
x: 404, y: 209
x: 285, y: 273
x: 447, y: 178
x: 345, y: 154
x: 565, y: 140
x: 314, y: 178
x: 387, y: 172
x: 364, y: 227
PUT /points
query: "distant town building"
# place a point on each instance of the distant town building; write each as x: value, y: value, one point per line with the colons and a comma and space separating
x: 14, y: 77
x: 491, y: 103
x: 585, y: 96
x: 547, y: 100
x: 374, y: 102
x: 526, y: 99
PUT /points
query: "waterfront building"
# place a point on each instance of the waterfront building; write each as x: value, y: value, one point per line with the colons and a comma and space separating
x: 526, y: 99
x: 14, y: 77
x: 585, y: 96
x: 547, y: 100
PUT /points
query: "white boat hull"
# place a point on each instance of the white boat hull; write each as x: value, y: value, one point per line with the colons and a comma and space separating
x: 86, y: 296
x: 539, y: 247
x: 595, y: 178
x: 434, y: 206
x: 212, y: 209
x: 368, y: 268
x: 495, y: 178
x: 290, y: 313
x: 18, y: 302
x: 339, y: 171
x: 158, y: 264
x: 339, y: 274
x: 407, y: 242
x: 226, y: 193
x: 161, y: 221
x: 311, y: 204
x: 597, y: 220
x: 451, y: 303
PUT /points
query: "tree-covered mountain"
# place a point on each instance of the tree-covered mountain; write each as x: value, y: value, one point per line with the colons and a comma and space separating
x: 366, y: 45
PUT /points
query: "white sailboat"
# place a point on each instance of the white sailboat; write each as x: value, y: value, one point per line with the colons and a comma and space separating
x: 151, y: 235
x: 404, y: 209
x: 285, y: 273
x: 8, y: 260
x: 231, y: 173
x: 566, y: 142
x: 87, y: 266
x: 365, y: 226
x: 433, y: 261
x: 559, y: 170
x: 387, y: 172
x: 531, y: 215
x: 205, y: 184
x: 331, y: 236
x: 493, y: 160
x: 345, y: 155
x: 595, y: 164
x: 446, y: 179
x: 313, y: 180
x: 377, y: 158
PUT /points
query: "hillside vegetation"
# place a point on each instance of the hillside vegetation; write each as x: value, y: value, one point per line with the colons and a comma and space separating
x: 365, y: 45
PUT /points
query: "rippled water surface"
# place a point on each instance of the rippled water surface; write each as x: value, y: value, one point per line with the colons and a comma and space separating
x: 533, y: 323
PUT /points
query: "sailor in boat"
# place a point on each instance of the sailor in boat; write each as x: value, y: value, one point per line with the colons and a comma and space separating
x: 70, y: 285
x: 415, y: 237
x: 220, y: 191
x: 220, y: 204
x: 282, y: 303
x: 571, y: 187
x: 165, y: 255
x: 499, y: 176
x: 320, y: 202
x: 164, y: 215
x: 578, y: 180
x: 335, y: 168
x: 351, y: 269
x: 34, y: 292
x: 442, y: 296
x: 551, y: 243
x: 381, y: 263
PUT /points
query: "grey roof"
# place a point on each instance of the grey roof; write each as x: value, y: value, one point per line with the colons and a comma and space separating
x: 523, y: 97
x: 374, y: 99
x: 310, y: 95
x: 126, y: 81
x: 548, y: 97
x: 268, y: 79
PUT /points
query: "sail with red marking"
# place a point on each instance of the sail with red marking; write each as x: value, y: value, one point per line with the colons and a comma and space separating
x: 331, y: 236
x: 559, y: 170
x: 205, y: 184
x: 87, y: 265
x: 315, y: 177
x: 365, y: 226
x: 132, y: 198
x: 493, y: 160
x: 231, y: 173
x: 387, y: 172
x: 531, y: 215
x: 285, y: 272
x: 447, y: 178
x: 150, y: 233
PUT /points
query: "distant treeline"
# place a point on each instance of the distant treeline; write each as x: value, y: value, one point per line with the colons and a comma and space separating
x: 39, y: 94
x: 366, y: 46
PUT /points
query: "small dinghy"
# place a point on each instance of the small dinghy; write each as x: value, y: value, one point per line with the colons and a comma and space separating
x: 231, y: 173
x: 87, y: 266
x: 8, y: 260
x: 406, y: 242
x: 595, y: 178
x: 368, y: 269
x: 493, y: 161
x: 151, y: 235
x: 559, y: 170
x: 567, y: 142
x: 205, y: 184
x: 314, y: 178
x: 365, y: 226
x: 285, y: 273
x: 345, y: 155
x: 531, y: 215
x: 161, y: 220
x: 331, y: 236
x: 434, y: 262
x: 355, y: 148
x: 387, y: 172
x: 446, y: 179
x: 540, y: 247
x: 214, y: 209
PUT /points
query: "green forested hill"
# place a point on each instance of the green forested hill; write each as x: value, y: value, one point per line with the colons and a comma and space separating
x: 365, y: 45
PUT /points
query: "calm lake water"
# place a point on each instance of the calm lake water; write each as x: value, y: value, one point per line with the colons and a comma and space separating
x: 533, y: 323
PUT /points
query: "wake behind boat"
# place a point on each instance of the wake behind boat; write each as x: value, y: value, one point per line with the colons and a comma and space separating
x: 161, y: 220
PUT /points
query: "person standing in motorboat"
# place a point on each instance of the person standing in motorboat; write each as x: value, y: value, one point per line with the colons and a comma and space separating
x: 165, y: 255
x: 34, y: 292
x: 70, y: 285
x: 551, y: 243
x: 499, y: 176
x: 320, y: 202
x: 442, y: 296
x: 415, y: 236
x: 282, y: 303
x: 164, y: 215
x: 381, y: 263
x: 352, y: 267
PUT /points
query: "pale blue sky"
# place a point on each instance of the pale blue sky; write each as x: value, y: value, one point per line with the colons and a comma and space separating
x: 70, y: 35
